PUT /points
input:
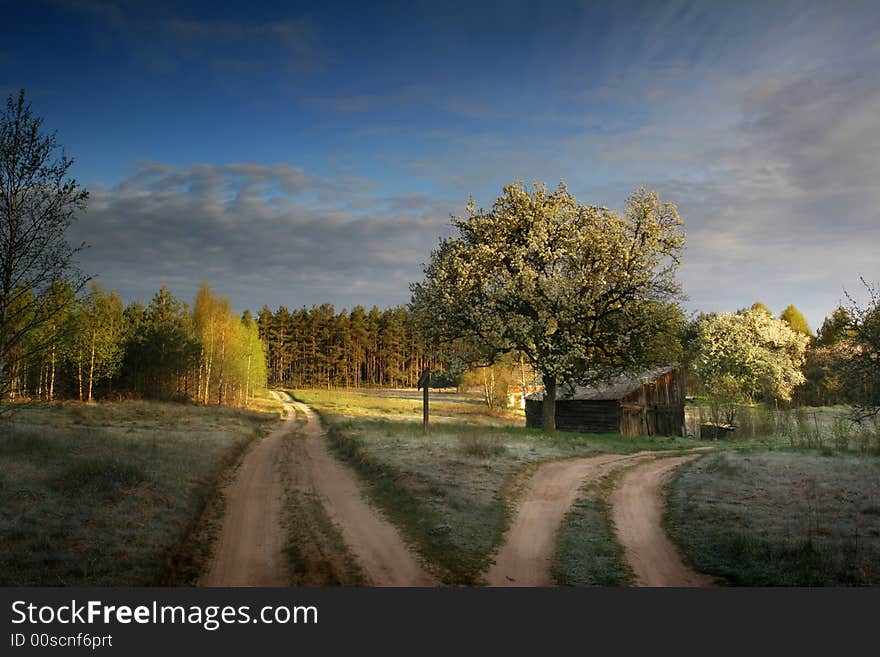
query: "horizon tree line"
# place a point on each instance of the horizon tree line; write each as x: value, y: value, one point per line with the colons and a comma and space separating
x: 97, y: 347
x: 320, y: 347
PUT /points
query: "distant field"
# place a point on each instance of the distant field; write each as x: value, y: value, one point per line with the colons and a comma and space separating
x: 405, y: 405
x: 780, y: 518
x: 108, y: 494
x: 449, y: 491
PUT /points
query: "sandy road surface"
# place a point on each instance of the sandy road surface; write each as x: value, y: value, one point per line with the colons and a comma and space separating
x: 637, y: 511
x: 248, y: 551
x: 527, y: 553
x: 383, y: 556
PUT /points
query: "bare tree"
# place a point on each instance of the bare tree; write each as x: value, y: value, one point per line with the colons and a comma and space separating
x: 861, y: 370
x: 38, y: 202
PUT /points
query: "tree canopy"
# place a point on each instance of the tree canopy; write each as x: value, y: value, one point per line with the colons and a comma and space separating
x: 750, y: 353
x: 796, y: 320
x: 582, y: 291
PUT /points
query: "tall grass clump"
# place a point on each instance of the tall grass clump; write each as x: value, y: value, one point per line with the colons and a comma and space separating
x: 474, y: 443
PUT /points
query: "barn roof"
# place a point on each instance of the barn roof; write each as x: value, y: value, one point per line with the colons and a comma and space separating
x: 615, y: 388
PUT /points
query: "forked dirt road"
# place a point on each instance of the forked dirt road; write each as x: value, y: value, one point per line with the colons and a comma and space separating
x: 249, y: 550
x: 527, y: 552
x: 526, y: 556
x: 637, y: 512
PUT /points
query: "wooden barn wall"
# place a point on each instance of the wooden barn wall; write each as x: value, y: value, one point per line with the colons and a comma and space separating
x: 533, y: 414
x: 656, y: 408
x: 577, y: 415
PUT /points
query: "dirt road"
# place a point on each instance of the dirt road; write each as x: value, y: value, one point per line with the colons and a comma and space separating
x: 248, y: 551
x: 526, y: 555
x: 637, y: 511
x: 381, y: 553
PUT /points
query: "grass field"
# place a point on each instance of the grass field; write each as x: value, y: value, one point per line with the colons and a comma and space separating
x: 450, y: 491
x: 110, y: 494
x: 587, y: 552
x: 780, y: 518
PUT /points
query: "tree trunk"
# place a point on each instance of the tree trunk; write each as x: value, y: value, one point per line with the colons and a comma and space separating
x: 52, y: 377
x: 91, y: 368
x: 548, y: 407
x: 247, y: 380
x: 79, y: 373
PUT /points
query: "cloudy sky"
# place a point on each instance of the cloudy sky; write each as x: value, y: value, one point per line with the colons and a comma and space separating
x: 315, y: 154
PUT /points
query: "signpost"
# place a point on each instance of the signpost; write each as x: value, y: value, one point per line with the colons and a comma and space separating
x: 424, y: 383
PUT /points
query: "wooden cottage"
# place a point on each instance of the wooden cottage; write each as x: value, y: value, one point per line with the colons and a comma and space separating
x: 649, y: 404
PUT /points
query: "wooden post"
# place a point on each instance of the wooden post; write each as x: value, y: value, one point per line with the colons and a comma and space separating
x: 424, y: 384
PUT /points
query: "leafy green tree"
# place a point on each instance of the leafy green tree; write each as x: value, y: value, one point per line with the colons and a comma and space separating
x: 836, y: 327
x: 796, y: 320
x: 580, y: 290
x: 760, y: 306
x: 102, y: 324
x: 752, y: 352
x: 165, y: 347
x: 38, y: 202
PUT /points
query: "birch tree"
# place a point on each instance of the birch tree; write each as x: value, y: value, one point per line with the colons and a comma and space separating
x: 582, y: 291
x: 38, y: 202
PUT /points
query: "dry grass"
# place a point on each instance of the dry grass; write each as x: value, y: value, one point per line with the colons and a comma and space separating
x: 780, y: 518
x: 107, y: 494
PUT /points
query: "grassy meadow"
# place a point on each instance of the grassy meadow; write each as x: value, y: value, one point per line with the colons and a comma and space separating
x: 450, y: 491
x: 783, y: 517
x: 112, y: 493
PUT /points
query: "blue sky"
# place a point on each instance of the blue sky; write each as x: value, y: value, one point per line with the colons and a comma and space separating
x: 299, y: 154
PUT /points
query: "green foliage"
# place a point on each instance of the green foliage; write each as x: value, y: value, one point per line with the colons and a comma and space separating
x: 95, y: 338
x: 496, y: 381
x: 580, y: 290
x: 231, y: 361
x: 796, y: 321
x: 751, y: 353
x: 835, y: 328
x: 760, y: 306
x: 320, y: 346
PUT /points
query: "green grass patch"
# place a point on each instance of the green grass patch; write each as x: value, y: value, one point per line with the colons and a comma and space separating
x: 775, y: 518
x: 587, y: 551
x: 110, y: 494
x: 98, y: 478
